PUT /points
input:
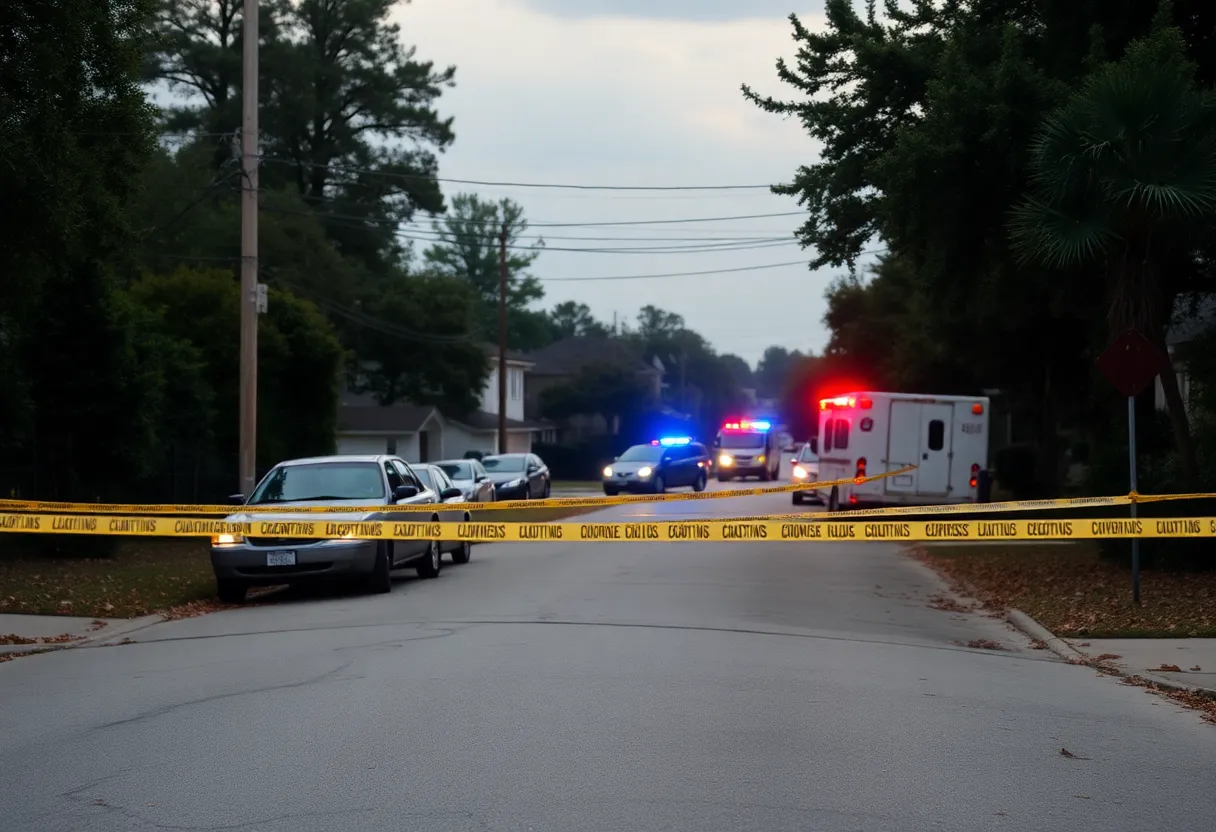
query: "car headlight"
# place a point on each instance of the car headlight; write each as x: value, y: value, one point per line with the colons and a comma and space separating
x: 226, y: 539
x: 608, y: 471
x: 645, y: 472
x: 760, y: 458
x: 514, y: 483
x: 726, y: 460
x: 799, y: 472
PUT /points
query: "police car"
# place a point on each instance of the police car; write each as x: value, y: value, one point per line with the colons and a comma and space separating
x: 669, y: 462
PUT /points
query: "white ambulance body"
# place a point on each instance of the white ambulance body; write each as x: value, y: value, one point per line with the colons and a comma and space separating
x: 866, y: 433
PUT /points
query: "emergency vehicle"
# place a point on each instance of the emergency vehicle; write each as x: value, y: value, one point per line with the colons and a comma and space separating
x: 867, y: 433
x: 748, y: 448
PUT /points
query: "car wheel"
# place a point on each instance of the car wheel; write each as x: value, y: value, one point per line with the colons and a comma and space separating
x: 545, y: 495
x: 659, y: 486
x: 230, y: 591
x: 797, y: 498
x: 464, y: 551
x: 834, y: 499
x: 381, y: 579
x: 723, y: 477
x: 528, y: 491
x: 431, y: 562
x: 701, y: 482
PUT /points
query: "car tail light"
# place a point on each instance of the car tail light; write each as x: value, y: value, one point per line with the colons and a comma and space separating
x: 853, y: 499
x: 975, y: 475
x: 861, y: 468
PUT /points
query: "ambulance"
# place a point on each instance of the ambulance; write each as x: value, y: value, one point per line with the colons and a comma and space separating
x: 868, y: 433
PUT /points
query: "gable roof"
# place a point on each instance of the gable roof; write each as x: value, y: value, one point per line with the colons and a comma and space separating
x: 361, y: 413
x: 569, y: 355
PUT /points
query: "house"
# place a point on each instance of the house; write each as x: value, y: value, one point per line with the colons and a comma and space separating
x: 421, y: 433
x: 562, y: 360
x: 1189, y: 322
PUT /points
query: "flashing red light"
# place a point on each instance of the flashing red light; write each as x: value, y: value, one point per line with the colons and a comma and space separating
x: 977, y: 409
x: 861, y: 468
x: 975, y: 473
x: 864, y: 403
x: 837, y: 402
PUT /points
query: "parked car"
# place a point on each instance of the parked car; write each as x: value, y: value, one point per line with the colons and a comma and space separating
x: 655, y: 467
x: 470, y: 476
x: 373, y: 480
x: 455, y: 508
x: 805, y: 469
x: 518, y: 476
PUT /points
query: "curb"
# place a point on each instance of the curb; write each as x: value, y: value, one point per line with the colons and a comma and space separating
x: 1066, y: 651
x: 103, y: 636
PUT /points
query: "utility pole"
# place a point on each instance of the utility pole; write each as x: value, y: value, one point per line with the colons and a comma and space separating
x: 502, y: 339
x: 249, y: 250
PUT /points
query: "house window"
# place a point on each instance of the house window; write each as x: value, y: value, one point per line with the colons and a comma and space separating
x: 513, y: 377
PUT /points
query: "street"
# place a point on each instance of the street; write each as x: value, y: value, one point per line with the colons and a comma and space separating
x: 599, y: 688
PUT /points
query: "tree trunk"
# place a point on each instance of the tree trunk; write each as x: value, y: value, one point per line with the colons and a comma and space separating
x: 1180, y: 424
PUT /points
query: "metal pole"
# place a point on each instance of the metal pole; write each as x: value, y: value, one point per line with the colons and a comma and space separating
x: 249, y: 250
x: 1131, y: 453
x: 502, y: 339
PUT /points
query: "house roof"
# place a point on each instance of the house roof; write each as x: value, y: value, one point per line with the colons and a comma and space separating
x: 361, y: 413
x: 513, y: 356
x: 480, y: 422
x: 569, y: 355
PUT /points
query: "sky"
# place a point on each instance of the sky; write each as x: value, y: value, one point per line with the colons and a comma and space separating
x: 611, y: 92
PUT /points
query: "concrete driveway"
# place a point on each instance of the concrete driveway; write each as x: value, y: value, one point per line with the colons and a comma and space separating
x: 599, y: 688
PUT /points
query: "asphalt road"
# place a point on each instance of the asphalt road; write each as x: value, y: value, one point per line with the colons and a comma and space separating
x: 598, y: 688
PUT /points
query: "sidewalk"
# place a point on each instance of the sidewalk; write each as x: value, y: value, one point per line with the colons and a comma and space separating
x: 35, y: 633
x: 1182, y: 662
x: 1186, y: 663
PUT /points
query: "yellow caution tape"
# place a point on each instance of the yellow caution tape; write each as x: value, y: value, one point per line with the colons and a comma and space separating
x: 553, y: 502
x: 979, y: 508
x: 284, y: 533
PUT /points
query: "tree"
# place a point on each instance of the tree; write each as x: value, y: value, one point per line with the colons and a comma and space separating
x: 299, y: 360
x: 348, y: 117
x: 612, y: 392
x: 468, y: 247
x: 772, y: 370
x: 571, y: 319
x: 442, y: 365
x: 73, y: 125
x: 1125, y: 179
x: 740, y: 371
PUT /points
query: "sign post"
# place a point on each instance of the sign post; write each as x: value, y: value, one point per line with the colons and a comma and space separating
x: 1131, y: 363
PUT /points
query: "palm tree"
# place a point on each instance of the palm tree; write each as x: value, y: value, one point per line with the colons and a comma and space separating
x: 1123, y: 177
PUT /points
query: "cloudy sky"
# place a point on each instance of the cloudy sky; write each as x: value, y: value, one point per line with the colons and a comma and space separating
x: 611, y: 92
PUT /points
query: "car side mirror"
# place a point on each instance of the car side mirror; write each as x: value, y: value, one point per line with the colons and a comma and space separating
x: 404, y: 492
x: 236, y: 499
x: 449, y: 493
x: 532, y: 469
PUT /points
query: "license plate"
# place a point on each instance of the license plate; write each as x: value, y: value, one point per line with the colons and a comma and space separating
x: 280, y: 558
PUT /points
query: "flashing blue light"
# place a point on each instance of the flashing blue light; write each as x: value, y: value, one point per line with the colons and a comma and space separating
x: 762, y: 425
x: 668, y: 441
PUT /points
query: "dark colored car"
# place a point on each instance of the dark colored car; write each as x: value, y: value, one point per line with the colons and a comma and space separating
x: 518, y: 476
x: 380, y: 482
x: 658, y: 466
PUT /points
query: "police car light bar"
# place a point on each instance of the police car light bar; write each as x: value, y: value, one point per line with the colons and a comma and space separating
x: 668, y: 441
x: 744, y: 424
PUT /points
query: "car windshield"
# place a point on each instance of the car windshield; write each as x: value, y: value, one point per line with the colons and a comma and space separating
x: 424, y: 476
x: 807, y: 455
x: 321, y: 481
x: 743, y: 440
x: 641, y: 453
x: 503, y: 464
x: 458, y: 470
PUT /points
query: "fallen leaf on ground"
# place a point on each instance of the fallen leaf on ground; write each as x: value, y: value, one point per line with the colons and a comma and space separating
x: 1166, y: 668
x: 1107, y: 657
x: 1064, y: 752
x: 983, y: 644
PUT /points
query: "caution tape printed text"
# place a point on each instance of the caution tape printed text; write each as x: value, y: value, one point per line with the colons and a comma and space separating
x: 670, y: 531
x: 552, y: 502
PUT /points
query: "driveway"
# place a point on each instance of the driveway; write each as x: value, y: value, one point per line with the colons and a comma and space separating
x: 599, y: 688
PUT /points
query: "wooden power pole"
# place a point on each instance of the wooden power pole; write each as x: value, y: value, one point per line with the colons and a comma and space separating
x: 249, y: 252
x: 502, y: 339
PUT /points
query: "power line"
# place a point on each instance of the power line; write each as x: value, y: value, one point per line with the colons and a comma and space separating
x: 564, y: 186
x: 760, y: 267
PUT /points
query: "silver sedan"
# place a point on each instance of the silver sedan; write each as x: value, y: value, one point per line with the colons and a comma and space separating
x: 470, y: 477
x: 373, y: 480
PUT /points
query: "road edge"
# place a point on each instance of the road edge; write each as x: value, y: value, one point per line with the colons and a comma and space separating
x: 1066, y: 651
